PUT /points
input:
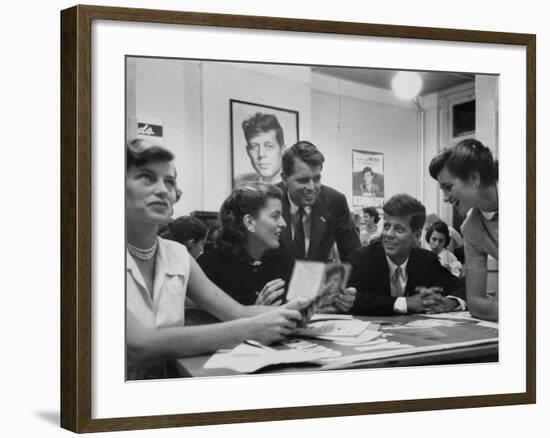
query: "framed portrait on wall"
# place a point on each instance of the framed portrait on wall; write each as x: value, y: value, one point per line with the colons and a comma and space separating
x: 259, y: 136
x: 367, y: 178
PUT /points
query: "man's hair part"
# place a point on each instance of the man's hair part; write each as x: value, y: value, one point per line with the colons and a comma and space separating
x: 402, y: 205
x: 304, y: 151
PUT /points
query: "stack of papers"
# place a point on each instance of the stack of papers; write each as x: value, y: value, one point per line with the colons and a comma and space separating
x: 333, y: 328
x: 341, y: 329
x: 465, y: 316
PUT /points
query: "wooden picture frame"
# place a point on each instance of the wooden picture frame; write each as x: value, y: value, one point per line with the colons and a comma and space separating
x: 77, y: 224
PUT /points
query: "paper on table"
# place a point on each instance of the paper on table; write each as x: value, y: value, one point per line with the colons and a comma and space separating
x: 325, y: 316
x: 332, y: 363
x: 464, y: 315
x: 351, y: 327
x: 311, y: 347
x: 489, y: 324
x: 425, y: 323
x: 248, y: 358
x: 362, y: 339
x: 388, y: 346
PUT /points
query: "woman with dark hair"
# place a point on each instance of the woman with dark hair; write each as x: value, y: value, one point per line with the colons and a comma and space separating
x: 456, y: 243
x: 246, y: 262
x: 438, y: 238
x: 189, y: 231
x: 160, y: 274
x: 468, y: 177
x: 371, y: 232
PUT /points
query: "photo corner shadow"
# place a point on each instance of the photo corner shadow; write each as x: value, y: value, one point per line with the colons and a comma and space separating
x: 51, y: 417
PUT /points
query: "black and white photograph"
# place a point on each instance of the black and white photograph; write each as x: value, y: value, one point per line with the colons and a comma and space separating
x: 239, y: 198
x: 259, y: 134
x: 368, y: 178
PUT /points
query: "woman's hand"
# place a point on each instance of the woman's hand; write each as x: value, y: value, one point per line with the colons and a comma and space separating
x: 339, y: 303
x: 309, y: 306
x: 274, y: 325
x: 271, y: 294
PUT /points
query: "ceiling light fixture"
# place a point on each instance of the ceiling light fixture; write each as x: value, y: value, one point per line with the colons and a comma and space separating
x: 406, y: 84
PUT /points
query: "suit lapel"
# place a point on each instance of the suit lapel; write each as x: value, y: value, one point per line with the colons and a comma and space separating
x: 286, y: 233
x: 412, y: 270
x: 319, y: 218
x: 383, y: 269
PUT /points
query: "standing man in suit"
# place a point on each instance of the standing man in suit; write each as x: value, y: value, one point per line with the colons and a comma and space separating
x: 394, y: 276
x: 318, y: 215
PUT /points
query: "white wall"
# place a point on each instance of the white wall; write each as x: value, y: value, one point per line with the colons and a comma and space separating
x: 223, y: 82
x: 370, y: 126
x: 191, y: 100
x: 431, y: 193
x: 487, y: 111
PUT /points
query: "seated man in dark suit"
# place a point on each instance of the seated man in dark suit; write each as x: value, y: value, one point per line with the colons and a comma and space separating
x: 317, y: 215
x: 394, y: 276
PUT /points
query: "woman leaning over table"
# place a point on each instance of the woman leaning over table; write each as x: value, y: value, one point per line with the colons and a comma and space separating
x: 468, y: 177
x: 160, y: 273
x: 246, y: 262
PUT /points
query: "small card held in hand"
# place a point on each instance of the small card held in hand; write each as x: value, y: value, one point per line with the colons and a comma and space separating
x: 307, y: 278
x: 317, y: 281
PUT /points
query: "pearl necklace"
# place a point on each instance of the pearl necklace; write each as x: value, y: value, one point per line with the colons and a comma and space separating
x: 142, y: 254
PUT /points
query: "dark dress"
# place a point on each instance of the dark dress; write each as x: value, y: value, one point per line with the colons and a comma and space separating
x: 243, y: 280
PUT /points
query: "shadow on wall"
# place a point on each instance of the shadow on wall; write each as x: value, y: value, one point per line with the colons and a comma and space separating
x: 51, y: 417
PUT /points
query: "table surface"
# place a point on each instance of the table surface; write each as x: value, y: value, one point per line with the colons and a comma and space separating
x: 446, y: 345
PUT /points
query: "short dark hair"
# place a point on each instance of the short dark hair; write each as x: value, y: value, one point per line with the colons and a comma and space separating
x: 402, y: 205
x: 367, y: 169
x: 141, y: 151
x: 305, y: 151
x: 440, y: 227
x: 248, y: 198
x: 184, y: 228
x: 259, y: 123
x: 465, y: 157
x: 373, y: 212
